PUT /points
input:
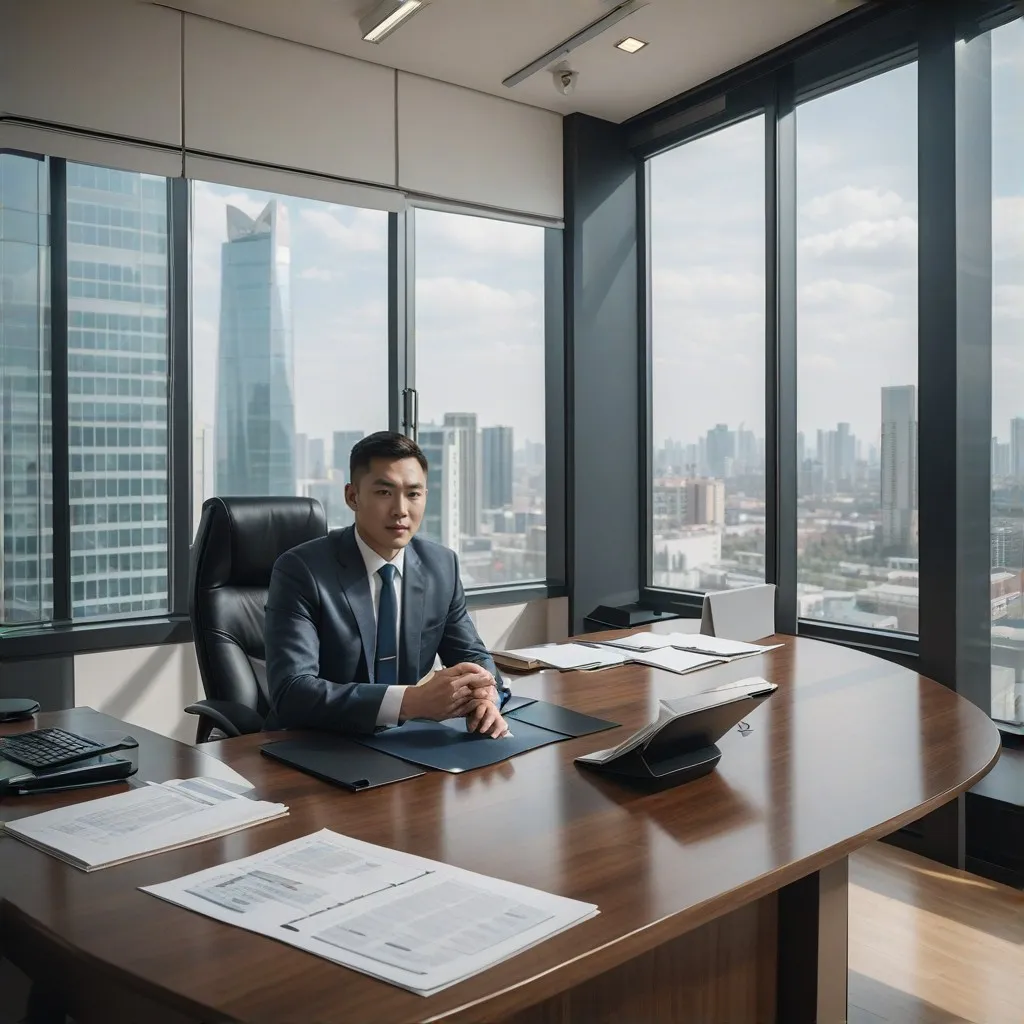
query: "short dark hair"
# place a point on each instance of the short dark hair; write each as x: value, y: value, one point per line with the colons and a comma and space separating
x: 385, y: 444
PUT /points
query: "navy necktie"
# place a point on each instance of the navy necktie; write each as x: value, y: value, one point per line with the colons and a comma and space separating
x: 387, y: 628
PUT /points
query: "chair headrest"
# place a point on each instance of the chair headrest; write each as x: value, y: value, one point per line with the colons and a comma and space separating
x: 240, y: 539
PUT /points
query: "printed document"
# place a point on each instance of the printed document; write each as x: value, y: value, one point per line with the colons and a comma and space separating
x: 696, y: 642
x: 413, y: 922
x: 142, y: 821
x: 569, y: 656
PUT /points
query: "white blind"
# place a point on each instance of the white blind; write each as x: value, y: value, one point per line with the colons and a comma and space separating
x: 253, y: 97
x: 288, y: 183
x: 111, y: 66
x: 87, y: 149
x: 454, y: 143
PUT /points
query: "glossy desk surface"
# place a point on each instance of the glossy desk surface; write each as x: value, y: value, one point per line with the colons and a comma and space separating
x: 849, y: 749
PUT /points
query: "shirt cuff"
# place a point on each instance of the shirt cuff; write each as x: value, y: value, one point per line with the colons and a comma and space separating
x: 391, y: 706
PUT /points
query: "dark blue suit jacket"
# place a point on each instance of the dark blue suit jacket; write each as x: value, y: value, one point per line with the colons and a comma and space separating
x: 321, y: 633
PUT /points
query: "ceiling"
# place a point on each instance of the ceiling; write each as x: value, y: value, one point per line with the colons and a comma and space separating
x: 477, y: 43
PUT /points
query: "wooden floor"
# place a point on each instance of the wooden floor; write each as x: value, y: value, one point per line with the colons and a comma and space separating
x: 929, y: 945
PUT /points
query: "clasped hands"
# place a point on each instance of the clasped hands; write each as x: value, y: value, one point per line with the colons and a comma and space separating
x: 462, y: 691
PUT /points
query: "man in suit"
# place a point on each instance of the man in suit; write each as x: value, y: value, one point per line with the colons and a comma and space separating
x: 355, y: 619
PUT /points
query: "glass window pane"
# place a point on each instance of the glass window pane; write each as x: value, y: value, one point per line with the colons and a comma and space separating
x: 480, y: 317
x: 707, y: 251
x: 26, y: 495
x: 121, y: 319
x: 289, y: 343
x: 1008, y: 372
x: 857, y: 354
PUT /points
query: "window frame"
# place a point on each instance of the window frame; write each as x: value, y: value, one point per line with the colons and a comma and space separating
x: 851, y: 49
x: 62, y: 636
x: 405, y: 395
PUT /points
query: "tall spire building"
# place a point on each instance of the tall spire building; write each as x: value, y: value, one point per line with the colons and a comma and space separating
x: 255, y: 413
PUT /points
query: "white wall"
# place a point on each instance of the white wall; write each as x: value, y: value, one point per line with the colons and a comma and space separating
x: 149, y: 686
x: 147, y: 73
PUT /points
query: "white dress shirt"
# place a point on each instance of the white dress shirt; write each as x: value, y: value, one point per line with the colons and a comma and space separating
x: 391, y: 705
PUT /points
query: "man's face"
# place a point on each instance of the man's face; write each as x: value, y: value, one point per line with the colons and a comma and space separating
x: 388, y: 500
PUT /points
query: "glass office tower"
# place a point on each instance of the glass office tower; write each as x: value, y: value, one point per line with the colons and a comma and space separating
x: 117, y: 391
x: 255, y: 410
x: 26, y: 540
x: 498, y: 467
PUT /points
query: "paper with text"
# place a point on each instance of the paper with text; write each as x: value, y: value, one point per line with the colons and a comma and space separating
x: 407, y: 920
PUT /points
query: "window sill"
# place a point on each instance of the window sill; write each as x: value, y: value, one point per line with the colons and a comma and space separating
x: 513, y: 593
x: 18, y: 643
x: 47, y: 641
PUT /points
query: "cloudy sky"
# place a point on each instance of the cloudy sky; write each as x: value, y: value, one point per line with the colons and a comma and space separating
x: 479, y: 314
x: 857, y: 260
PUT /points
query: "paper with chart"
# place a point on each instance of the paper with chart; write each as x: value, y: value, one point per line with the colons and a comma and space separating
x: 149, y: 819
x: 407, y: 920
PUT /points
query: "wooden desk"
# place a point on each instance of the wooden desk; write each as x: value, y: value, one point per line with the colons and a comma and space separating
x: 717, y: 898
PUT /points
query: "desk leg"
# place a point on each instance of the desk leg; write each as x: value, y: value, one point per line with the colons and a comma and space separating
x: 814, y: 932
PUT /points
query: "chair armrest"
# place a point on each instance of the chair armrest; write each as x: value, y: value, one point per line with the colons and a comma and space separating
x: 232, y: 718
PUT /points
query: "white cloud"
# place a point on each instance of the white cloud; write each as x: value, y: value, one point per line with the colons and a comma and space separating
x: 865, y: 236
x: 479, y: 236
x: 833, y: 295
x: 317, y: 274
x: 353, y: 230
x: 1008, y: 302
x: 1007, y: 227
x: 447, y: 298
x: 708, y: 286
x: 850, y: 203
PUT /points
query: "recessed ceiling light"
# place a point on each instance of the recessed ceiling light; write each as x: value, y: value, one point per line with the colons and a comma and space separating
x: 630, y: 44
x: 386, y: 17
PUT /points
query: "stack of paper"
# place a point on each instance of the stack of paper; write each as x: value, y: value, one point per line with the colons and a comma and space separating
x: 143, y: 821
x: 409, y: 921
x: 562, y: 656
x: 695, y: 642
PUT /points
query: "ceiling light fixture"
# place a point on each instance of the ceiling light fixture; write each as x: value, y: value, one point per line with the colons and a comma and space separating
x: 630, y: 44
x: 594, y: 29
x: 386, y: 17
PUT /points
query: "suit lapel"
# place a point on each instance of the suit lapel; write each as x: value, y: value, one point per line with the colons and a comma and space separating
x: 355, y: 585
x: 413, y: 591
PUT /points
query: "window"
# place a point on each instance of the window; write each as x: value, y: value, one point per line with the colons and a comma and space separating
x: 26, y: 562
x: 480, y: 318
x: 857, y: 168
x: 117, y: 285
x: 1007, y: 371
x: 289, y: 343
x: 707, y: 274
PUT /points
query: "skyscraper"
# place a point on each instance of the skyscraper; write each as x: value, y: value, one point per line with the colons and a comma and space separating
x: 497, y: 467
x: 1017, y: 448
x: 464, y: 426
x: 899, y: 466
x: 255, y: 416
x: 317, y: 465
x: 26, y: 503
x: 118, y: 355
x: 341, y: 448
x: 721, y: 450
x: 441, y: 515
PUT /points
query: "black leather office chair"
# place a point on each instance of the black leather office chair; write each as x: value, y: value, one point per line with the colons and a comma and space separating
x: 237, y: 543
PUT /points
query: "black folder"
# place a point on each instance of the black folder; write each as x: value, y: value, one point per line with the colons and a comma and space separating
x: 341, y: 761
x: 558, y: 719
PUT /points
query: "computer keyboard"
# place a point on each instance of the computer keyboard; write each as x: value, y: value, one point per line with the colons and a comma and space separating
x: 50, y: 748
